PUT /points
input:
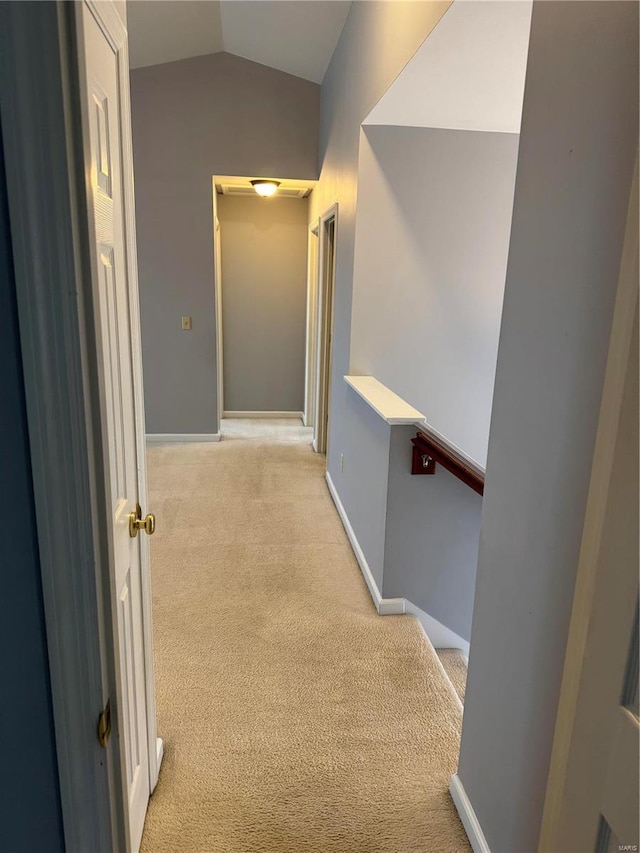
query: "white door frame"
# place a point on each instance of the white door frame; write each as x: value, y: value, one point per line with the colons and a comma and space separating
x: 42, y: 128
x: 217, y: 283
x: 324, y: 330
x: 308, y: 416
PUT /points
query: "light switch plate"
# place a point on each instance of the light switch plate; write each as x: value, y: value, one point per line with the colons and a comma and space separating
x: 186, y: 324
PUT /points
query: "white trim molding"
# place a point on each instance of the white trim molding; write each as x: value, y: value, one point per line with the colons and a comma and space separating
x: 384, y: 402
x: 181, y: 437
x: 217, y: 275
x: 438, y: 634
x: 159, y: 757
x: 323, y: 327
x: 468, y: 816
x: 310, y: 344
x: 265, y: 415
x: 357, y: 550
x: 430, y: 432
x: 392, y: 607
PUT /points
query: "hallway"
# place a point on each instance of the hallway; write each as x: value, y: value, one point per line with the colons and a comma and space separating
x: 294, y: 717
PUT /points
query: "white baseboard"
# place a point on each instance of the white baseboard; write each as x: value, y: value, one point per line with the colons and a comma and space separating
x: 392, y: 607
x: 440, y: 636
x: 468, y: 816
x: 262, y: 415
x: 357, y: 550
x: 159, y: 757
x: 179, y: 437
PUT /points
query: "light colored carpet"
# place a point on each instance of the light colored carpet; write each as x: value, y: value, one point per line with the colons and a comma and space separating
x: 455, y: 665
x: 295, y: 719
x: 266, y: 429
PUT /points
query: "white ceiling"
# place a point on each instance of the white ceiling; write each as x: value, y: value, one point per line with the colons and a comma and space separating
x: 296, y: 36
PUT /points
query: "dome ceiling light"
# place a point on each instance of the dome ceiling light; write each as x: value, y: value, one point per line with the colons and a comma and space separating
x: 265, y: 187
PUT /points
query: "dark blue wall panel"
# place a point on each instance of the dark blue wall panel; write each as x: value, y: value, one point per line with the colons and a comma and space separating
x: 30, y: 813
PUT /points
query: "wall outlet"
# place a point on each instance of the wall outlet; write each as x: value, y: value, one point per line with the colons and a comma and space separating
x: 341, y: 462
x: 186, y: 324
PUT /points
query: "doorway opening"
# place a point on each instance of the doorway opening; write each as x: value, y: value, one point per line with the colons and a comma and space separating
x: 265, y: 292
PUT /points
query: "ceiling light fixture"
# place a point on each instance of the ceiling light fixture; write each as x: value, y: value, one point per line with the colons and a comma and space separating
x: 264, y: 187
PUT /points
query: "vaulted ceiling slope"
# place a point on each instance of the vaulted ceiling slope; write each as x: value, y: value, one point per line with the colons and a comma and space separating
x: 296, y: 36
x: 467, y: 75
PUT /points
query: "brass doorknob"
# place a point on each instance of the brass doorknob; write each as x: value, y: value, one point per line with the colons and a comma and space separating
x: 137, y: 522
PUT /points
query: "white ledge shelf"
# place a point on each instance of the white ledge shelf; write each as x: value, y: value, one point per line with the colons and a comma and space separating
x: 390, y: 407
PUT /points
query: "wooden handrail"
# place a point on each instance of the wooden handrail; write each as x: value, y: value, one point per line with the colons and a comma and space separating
x: 427, y: 451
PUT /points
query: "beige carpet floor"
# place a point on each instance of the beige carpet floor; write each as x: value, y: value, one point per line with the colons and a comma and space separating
x: 455, y: 665
x: 266, y: 429
x: 295, y: 719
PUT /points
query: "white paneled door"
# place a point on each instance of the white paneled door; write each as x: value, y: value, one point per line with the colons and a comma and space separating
x: 116, y: 332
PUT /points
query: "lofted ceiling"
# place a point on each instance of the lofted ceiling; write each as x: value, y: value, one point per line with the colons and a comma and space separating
x: 296, y: 36
x: 467, y: 75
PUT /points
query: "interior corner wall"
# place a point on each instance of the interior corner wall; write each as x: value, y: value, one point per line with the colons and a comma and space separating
x: 191, y: 119
x: 264, y: 301
x: 578, y: 144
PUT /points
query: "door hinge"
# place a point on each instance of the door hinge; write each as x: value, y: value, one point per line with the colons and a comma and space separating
x: 104, y: 725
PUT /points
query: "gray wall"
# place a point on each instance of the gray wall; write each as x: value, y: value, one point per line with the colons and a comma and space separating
x: 577, y: 148
x: 432, y: 537
x: 362, y: 485
x: 264, y: 302
x: 30, y: 811
x: 216, y: 114
x: 365, y: 63
x: 377, y: 497
x: 576, y: 151
x: 433, y: 223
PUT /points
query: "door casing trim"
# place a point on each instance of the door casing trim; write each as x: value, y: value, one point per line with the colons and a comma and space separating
x: 324, y: 330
